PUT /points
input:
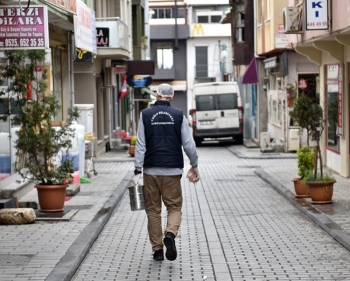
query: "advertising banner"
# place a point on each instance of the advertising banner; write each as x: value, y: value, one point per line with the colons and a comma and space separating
x: 85, y: 28
x: 24, y: 29
x: 68, y: 5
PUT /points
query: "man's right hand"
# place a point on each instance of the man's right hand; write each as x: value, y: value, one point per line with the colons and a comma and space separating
x: 196, y: 178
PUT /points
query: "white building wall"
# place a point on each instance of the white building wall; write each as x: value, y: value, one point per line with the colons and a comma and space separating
x: 213, y: 61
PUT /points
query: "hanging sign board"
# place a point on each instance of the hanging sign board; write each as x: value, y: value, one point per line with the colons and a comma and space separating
x: 302, y: 84
x: 316, y: 15
x: 24, y: 29
x: 139, y: 81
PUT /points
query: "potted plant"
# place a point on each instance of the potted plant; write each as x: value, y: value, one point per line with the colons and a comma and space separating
x: 41, y: 138
x: 305, y: 156
x: 132, y: 146
x: 309, y: 115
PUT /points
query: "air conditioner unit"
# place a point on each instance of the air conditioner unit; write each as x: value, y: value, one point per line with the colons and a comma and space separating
x: 293, y: 139
x: 110, y: 78
x: 292, y: 20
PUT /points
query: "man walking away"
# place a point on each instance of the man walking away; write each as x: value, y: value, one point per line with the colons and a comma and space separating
x: 162, y: 133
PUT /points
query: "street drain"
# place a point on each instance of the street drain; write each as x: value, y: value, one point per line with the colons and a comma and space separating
x: 15, y: 260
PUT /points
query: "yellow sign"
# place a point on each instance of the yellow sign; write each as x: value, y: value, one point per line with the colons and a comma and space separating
x: 197, y: 28
x: 81, y: 52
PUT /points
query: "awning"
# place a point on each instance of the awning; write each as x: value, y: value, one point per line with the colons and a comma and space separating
x: 251, y: 74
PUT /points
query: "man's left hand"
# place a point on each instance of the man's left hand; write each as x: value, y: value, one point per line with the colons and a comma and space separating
x: 136, y: 178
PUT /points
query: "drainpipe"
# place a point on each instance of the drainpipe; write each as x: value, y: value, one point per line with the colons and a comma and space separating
x: 71, y: 56
x: 176, y: 31
x: 147, y: 29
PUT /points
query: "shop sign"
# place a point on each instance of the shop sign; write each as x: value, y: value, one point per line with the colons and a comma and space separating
x: 68, y: 5
x: 270, y: 62
x: 282, y: 41
x: 83, y: 55
x: 197, y: 29
x: 316, y: 15
x: 102, y: 35
x: 302, y: 84
x: 85, y: 28
x: 24, y: 29
x: 139, y: 81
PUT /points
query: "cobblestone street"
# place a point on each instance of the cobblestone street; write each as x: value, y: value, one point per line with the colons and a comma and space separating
x: 235, y: 227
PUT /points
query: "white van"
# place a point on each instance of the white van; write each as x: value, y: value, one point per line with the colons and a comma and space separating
x: 218, y: 111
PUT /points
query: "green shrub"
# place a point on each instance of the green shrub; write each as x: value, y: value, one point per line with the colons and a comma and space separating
x: 306, y: 161
x: 133, y: 140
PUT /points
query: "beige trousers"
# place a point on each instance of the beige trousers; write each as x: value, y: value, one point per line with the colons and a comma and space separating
x: 168, y: 190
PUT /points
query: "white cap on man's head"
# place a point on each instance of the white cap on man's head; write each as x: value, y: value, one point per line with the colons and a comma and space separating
x: 165, y: 90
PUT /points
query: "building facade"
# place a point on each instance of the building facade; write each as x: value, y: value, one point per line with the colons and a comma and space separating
x: 209, y: 49
x: 324, y: 41
x: 98, y: 78
x: 169, y: 31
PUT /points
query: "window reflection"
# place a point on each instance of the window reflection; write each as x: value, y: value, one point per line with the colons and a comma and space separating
x: 332, y: 120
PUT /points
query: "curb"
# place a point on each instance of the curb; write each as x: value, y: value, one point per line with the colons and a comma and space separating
x: 323, y: 221
x: 267, y: 155
x: 70, y: 262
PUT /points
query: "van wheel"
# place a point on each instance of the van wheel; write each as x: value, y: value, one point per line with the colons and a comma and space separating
x: 198, y: 141
x: 238, y: 139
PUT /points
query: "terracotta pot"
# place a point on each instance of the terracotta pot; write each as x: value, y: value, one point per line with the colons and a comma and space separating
x: 51, y: 197
x: 321, y: 192
x: 302, y: 190
x: 132, y: 150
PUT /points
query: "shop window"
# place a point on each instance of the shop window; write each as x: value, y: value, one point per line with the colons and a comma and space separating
x: 165, y: 57
x: 333, y: 105
x: 201, y: 62
x: 209, y: 17
x: 276, y: 112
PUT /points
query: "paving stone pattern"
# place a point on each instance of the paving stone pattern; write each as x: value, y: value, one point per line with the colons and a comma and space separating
x: 235, y: 227
x: 35, y: 249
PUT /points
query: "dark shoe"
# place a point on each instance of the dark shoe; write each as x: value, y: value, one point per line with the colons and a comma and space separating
x: 169, y: 242
x: 158, y: 255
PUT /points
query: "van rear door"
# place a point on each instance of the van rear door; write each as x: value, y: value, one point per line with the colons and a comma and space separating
x: 227, y: 109
x: 217, y: 111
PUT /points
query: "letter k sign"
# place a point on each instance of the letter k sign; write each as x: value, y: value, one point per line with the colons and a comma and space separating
x: 316, y: 5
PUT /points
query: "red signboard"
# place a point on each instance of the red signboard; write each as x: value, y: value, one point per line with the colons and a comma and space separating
x: 302, y: 84
x: 24, y: 29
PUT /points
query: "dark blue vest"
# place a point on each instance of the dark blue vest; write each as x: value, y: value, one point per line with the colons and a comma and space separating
x: 163, y: 136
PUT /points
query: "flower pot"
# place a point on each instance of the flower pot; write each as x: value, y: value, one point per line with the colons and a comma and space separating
x: 321, y: 191
x: 132, y: 150
x: 302, y: 190
x: 51, y: 197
